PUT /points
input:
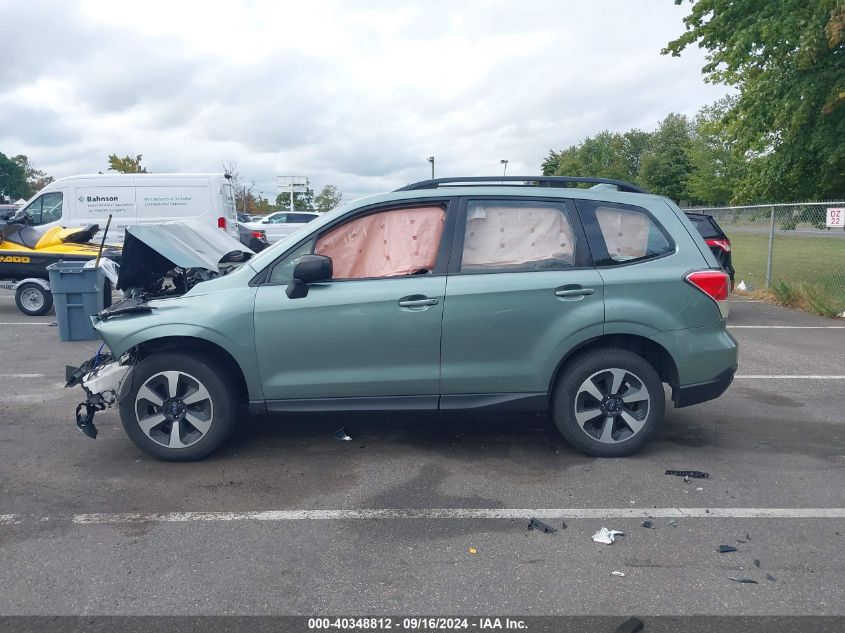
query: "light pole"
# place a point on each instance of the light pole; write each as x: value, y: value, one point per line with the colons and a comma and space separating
x: 504, y: 162
x: 430, y: 159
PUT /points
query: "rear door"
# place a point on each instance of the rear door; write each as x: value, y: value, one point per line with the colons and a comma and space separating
x: 521, y: 293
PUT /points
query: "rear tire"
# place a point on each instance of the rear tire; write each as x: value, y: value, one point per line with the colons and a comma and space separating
x: 608, y: 402
x: 180, y: 407
x: 33, y: 299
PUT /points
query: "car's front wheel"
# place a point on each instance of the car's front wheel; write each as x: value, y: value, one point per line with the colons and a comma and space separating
x: 608, y: 402
x: 179, y: 407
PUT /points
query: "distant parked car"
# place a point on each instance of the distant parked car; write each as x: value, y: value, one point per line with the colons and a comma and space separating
x: 716, y: 239
x: 282, y: 223
x: 243, y: 218
x: 255, y: 240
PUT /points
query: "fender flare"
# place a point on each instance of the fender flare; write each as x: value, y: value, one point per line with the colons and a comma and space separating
x: 34, y: 280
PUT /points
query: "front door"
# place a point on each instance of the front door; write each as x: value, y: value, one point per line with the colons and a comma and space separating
x: 373, y: 331
x: 521, y: 293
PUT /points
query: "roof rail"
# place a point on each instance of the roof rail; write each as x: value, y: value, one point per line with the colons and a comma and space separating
x: 526, y: 181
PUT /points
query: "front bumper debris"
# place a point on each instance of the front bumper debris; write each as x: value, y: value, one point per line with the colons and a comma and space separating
x: 102, y: 378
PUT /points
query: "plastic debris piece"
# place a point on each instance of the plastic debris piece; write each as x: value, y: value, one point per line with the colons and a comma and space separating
x: 607, y: 536
x: 473, y: 550
x: 647, y: 524
x: 756, y: 562
x: 771, y: 578
x: 617, y: 573
x: 631, y: 625
x: 741, y: 285
x: 563, y: 525
x: 744, y: 581
x: 724, y: 549
x: 673, y: 523
x: 695, y: 474
x: 342, y: 435
x: 687, y: 480
x: 535, y: 524
x: 699, y: 488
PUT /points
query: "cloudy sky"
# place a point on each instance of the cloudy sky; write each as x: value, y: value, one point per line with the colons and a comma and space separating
x: 357, y: 94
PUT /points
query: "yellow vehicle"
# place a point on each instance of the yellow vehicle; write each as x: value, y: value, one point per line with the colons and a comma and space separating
x: 25, y: 253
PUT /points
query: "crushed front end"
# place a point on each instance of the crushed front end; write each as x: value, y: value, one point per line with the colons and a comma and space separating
x: 104, y: 380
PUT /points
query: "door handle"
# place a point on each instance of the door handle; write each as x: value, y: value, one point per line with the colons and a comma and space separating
x: 575, y: 292
x: 418, y: 303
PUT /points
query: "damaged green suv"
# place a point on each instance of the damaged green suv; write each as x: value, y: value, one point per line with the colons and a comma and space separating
x: 517, y: 293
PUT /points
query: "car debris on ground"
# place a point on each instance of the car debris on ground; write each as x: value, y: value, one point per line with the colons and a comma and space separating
x: 617, y: 573
x: 648, y: 525
x: 536, y: 524
x: 631, y: 625
x: 607, y: 537
x: 342, y: 435
x: 744, y: 581
x: 695, y: 474
x: 724, y: 549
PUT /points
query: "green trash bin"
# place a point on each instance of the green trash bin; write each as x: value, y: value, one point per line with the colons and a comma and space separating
x: 78, y: 293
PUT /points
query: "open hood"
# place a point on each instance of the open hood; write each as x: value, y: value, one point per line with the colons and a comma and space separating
x: 150, y: 251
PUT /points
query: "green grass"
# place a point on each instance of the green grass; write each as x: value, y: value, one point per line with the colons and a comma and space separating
x: 813, y: 267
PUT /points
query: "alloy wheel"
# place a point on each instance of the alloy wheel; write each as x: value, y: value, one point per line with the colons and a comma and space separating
x: 174, y: 409
x: 612, y: 405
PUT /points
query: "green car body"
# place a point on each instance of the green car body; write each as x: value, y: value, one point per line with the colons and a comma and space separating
x: 492, y: 340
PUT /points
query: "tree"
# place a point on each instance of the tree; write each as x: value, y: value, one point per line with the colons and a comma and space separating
x: 36, y: 179
x: 328, y: 198
x: 127, y: 164
x: 787, y: 59
x: 302, y: 200
x: 13, y: 184
x: 605, y: 155
x: 665, y: 165
x: 717, y: 167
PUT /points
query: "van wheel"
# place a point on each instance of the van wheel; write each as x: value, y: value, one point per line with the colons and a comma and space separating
x: 608, y: 402
x: 179, y: 407
x: 33, y: 299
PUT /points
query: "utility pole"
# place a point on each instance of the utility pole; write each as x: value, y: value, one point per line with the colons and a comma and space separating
x: 431, y: 160
x: 504, y: 162
x: 291, y: 195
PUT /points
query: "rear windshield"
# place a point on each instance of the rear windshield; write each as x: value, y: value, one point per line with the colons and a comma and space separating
x: 706, y: 226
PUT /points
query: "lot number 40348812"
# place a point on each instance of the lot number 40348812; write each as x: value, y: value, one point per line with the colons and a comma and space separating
x: 835, y: 217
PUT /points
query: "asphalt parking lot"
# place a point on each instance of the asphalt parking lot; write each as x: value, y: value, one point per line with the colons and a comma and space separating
x: 288, y: 520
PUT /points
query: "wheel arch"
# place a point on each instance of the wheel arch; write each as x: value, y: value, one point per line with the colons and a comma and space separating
x: 653, y: 353
x: 198, y: 346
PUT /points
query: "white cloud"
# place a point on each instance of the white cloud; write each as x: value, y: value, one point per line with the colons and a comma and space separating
x: 352, y: 94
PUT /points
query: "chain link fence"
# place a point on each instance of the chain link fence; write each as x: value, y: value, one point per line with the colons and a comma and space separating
x: 788, y: 250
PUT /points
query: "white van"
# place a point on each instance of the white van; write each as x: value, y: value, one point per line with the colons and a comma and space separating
x: 134, y: 199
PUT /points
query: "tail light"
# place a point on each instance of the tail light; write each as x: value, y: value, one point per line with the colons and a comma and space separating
x: 261, y: 235
x: 724, y: 244
x: 221, y: 223
x: 713, y: 283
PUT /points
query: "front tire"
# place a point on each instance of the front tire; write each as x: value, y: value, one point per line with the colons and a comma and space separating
x: 33, y: 299
x: 608, y: 402
x: 179, y: 407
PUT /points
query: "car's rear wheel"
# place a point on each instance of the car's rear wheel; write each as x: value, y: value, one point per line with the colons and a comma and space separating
x: 608, y: 402
x: 179, y: 407
x: 33, y: 299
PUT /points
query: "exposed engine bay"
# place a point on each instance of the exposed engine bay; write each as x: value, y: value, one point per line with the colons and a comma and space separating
x: 167, y: 260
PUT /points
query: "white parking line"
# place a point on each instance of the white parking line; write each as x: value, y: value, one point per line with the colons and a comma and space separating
x: 28, y: 323
x: 465, y: 513
x: 786, y: 327
x: 787, y: 377
x: 21, y: 375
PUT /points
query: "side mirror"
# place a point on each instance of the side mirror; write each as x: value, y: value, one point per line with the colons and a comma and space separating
x: 309, y: 269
